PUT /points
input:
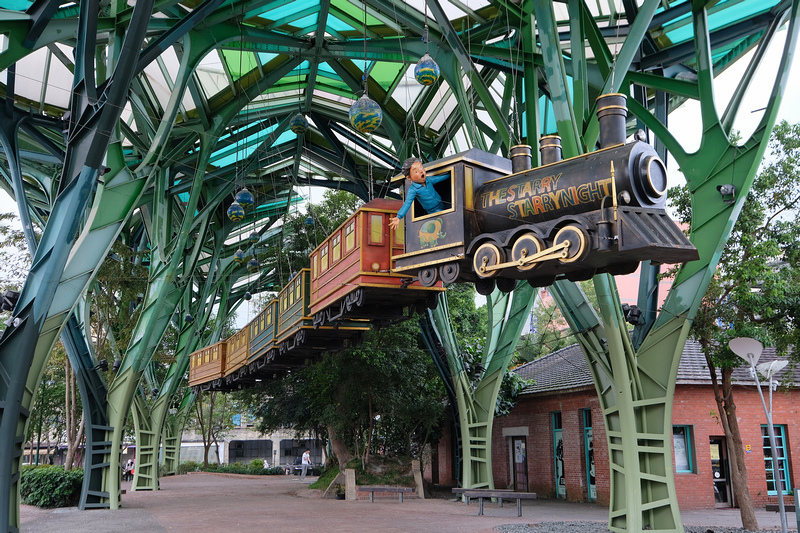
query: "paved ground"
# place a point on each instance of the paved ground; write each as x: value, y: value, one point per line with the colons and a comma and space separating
x: 220, y: 503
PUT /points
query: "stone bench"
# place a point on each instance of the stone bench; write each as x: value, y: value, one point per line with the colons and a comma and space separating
x: 373, y: 490
x: 500, y: 495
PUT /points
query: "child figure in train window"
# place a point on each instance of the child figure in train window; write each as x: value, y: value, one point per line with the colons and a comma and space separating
x: 421, y: 188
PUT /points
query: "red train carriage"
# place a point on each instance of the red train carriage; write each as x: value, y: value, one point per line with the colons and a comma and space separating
x: 352, y: 270
x: 207, y: 364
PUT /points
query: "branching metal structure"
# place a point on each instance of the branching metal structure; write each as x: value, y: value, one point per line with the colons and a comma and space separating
x: 174, y: 106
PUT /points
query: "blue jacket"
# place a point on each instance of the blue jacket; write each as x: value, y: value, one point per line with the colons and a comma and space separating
x: 426, y: 194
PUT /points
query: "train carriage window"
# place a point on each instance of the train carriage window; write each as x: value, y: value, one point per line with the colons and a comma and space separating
x: 336, y: 248
x: 399, y: 235
x: 297, y: 291
x: 314, y: 266
x: 350, y: 236
x: 443, y: 183
x: 323, y: 259
x: 376, y: 228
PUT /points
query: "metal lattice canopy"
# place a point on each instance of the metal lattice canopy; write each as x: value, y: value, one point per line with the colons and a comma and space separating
x: 275, y: 59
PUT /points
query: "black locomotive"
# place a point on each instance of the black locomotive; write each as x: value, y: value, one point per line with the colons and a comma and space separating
x: 573, y: 218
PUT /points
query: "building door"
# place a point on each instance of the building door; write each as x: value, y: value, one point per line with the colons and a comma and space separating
x: 588, y: 443
x: 520, y: 464
x: 719, y: 471
x: 558, y: 456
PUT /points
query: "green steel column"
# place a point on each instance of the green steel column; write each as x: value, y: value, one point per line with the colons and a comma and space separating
x: 507, y: 315
x: 24, y: 348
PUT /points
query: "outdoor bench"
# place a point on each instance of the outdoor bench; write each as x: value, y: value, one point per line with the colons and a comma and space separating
x: 373, y: 490
x: 462, y: 490
x: 500, y: 495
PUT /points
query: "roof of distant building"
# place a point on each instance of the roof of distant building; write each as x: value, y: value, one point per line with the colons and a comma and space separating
x: 567, y: 369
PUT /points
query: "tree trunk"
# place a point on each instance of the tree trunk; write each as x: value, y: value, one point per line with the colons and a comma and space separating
x: 340, y: 450
x: 73, y: 430
x: 738, y: 471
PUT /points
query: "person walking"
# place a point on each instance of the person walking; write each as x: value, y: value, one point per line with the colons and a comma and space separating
x: 306, y: 463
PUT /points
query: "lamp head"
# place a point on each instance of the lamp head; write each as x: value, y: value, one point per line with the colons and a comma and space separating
x: 769, y: 370
x: 746, y: 348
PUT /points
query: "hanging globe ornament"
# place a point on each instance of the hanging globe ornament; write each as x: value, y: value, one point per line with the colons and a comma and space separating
x: 248, y: 296
x: 298, y: 124
x: 252, y: 265
x: 245, y: 198
x: 238, y: 256
x: 427, y: 71
x: 235, y: 212
x: 188, y: 318
x: 365, y: 115
x: 253, y: 238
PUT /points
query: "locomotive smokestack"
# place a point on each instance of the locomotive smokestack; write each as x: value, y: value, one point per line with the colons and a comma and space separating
x: 550, y: 149
x: 520, y: 158
x: 611, y: 115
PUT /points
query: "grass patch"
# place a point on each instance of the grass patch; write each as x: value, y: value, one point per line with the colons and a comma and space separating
x: 325, y: 479
x: 383, y: 471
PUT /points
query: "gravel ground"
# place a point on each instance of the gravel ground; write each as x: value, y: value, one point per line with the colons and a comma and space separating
x: 598, y: 527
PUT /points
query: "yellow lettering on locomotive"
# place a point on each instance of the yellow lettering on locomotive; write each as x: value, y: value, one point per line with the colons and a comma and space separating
x: 526, y: 191
x: 513, y: 213
x: 549, y: 201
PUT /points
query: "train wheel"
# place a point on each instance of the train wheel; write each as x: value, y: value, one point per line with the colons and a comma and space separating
x: 487, y: 255
x: 506, y: 284
x: 484, y: 287
x: 450, y: 272
x: 525, y: 246
x: 428, y: 276
x: 578, y: 241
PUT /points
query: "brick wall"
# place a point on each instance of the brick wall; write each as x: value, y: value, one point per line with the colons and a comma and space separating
x: 693, y: 406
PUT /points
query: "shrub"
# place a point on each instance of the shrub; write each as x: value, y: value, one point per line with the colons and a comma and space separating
x: 50, y: 486
x: 189, y: 466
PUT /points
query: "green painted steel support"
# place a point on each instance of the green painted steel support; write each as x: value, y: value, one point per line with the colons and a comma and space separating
x: 507, y: 315
x: 636, y: 386
x: 24, y: 348
x: 149, y: 419
x: 173, y: 431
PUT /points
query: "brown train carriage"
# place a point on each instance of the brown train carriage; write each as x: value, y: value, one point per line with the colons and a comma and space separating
x: 352, y: 273
x: 207, y: 364
x: 238, y: 350
x: 296, y: 337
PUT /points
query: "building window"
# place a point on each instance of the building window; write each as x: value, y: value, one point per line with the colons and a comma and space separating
x: 682, y: 442
x: 783, y: 464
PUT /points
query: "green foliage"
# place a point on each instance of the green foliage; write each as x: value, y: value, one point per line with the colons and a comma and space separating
x: 326, y: 478
x: 511, y: 387
x: 253, y: 468
x: 189, y: 466
x: 383, y: 471
x: 756, y: 289
x: 50, y: 486
x: 383, y: 394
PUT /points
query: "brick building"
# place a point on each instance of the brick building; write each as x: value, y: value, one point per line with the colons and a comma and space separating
x: 554, y: 442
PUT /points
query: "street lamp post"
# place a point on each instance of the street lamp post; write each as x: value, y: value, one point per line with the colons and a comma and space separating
x: 750, y: 350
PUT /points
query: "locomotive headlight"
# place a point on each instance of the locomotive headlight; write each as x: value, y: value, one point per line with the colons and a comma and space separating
x: 624, y: 197
x: 651, y: 177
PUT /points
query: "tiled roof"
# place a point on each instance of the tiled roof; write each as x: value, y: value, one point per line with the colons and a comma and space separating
x: 567, y: 369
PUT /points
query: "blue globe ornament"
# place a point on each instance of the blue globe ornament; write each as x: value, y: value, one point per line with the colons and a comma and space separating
x: 298, y: 124
x: 427, y: 71
x: 365, y: 115
x: 235, y: 212
x: 253, y: 238
x: 245, y: 198
x: 252, y: 265
x: 238, y: 256
x: 248, y: 296
x: 188, y: 318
